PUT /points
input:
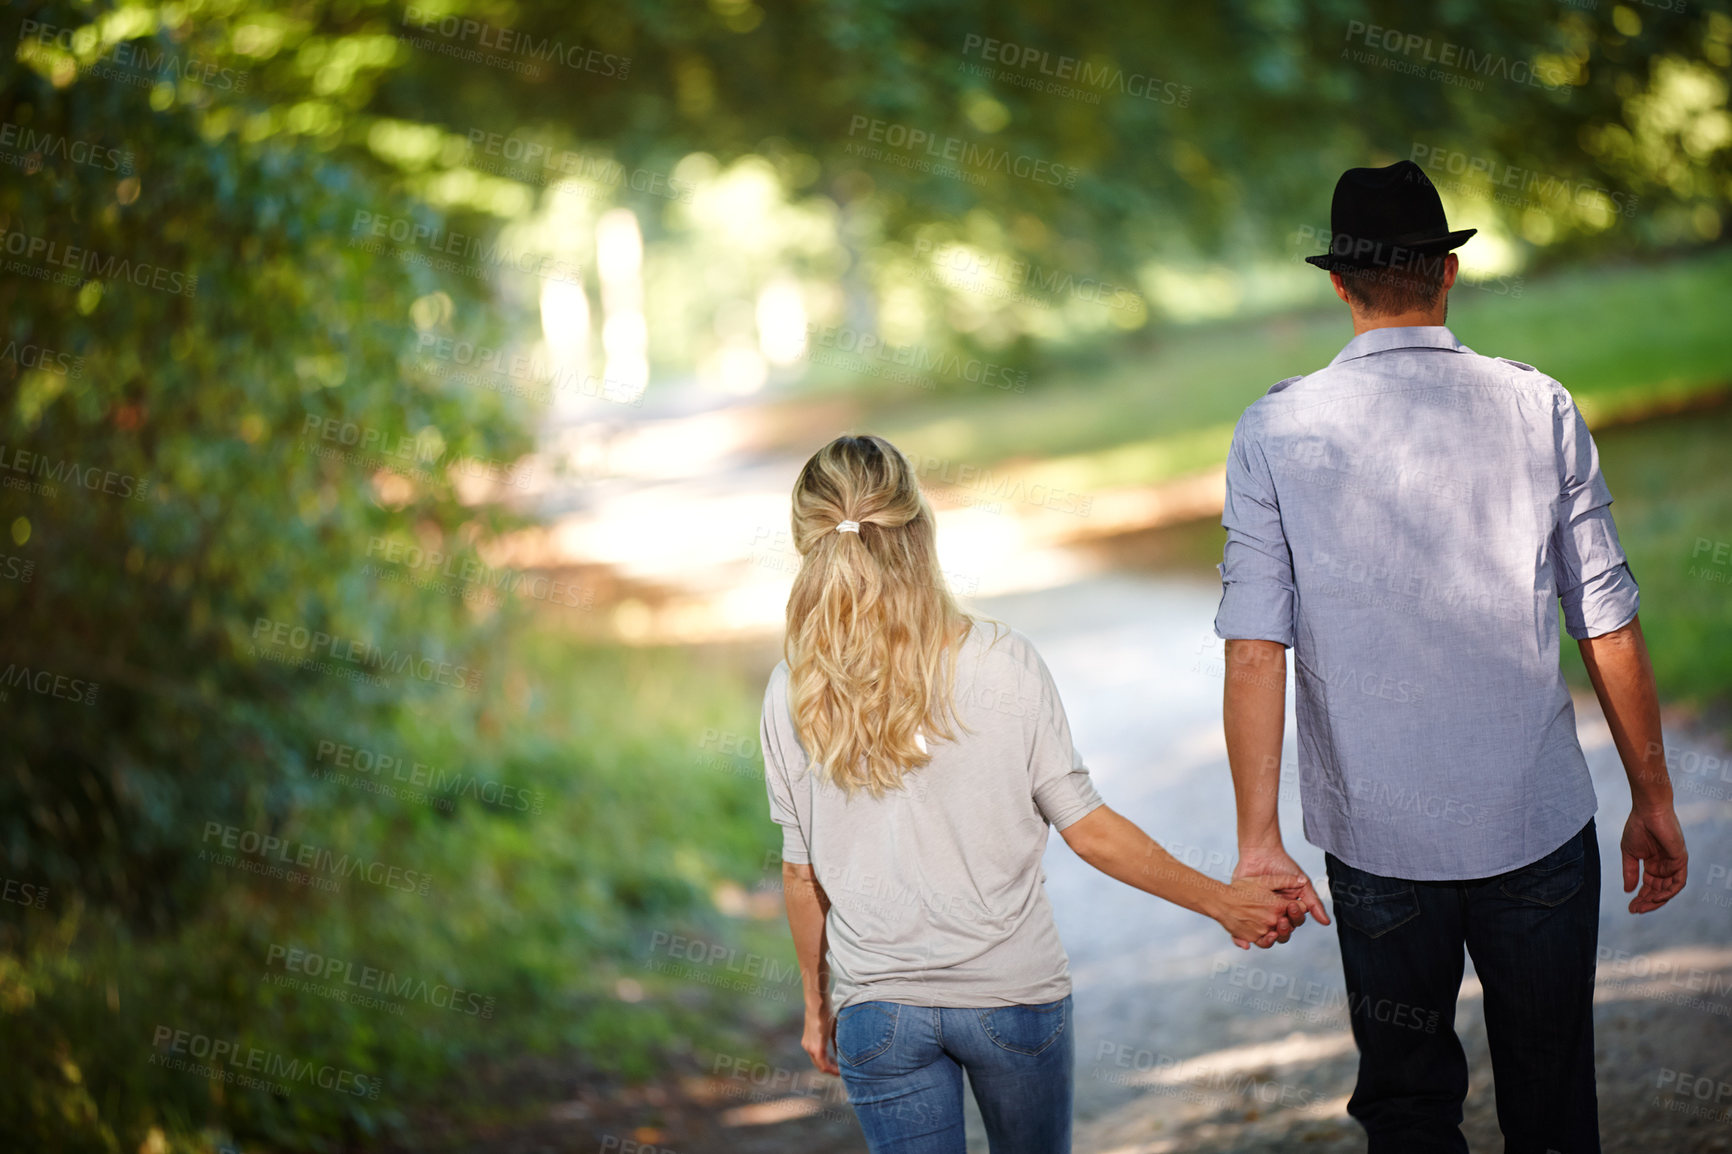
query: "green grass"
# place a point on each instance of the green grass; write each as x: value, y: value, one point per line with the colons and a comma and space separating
x: 645, y: 817
x: 1620, y: 339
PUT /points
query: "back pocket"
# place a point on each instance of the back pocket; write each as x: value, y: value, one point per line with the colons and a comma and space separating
x: 1370, y: 903
x: 1551, y: 881
x: 864, y: 1031
x: 1026, y: 1029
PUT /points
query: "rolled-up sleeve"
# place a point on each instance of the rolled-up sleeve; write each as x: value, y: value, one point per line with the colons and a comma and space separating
x: 1595, y: 586
x: 1062, y: 788
x: 775, y: 736
x: 1257, y: 565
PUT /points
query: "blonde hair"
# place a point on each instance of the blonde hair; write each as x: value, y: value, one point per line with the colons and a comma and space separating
x: 873, y: 631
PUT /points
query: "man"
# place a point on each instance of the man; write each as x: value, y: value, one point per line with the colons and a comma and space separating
x: 1408, y: 520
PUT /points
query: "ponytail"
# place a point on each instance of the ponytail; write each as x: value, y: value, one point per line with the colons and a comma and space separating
x: 872, y: 628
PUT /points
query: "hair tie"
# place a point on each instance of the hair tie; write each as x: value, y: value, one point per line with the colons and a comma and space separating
x: 848, y: 527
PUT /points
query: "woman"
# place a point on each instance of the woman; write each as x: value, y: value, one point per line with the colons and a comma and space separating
x: 914, y: 758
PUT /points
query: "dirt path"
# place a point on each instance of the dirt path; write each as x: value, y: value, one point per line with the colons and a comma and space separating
x: 1184, y: 1043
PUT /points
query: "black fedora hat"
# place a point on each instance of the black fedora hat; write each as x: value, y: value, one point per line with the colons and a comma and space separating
x: 1386, y: 218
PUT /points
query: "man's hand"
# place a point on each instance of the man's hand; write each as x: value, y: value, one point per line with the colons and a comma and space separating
x: 1623, y: 678
x: 1274, y: 861
x: 1654, y: 840
x: 1115, y: 845
x: 818, y: 1039
x: 1257, y: 910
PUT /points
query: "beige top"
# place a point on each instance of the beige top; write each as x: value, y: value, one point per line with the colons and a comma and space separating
x: 937, y: 897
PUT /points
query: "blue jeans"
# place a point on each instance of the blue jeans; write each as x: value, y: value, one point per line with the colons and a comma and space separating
x: 903, y: 1069
x: 1532, y: 933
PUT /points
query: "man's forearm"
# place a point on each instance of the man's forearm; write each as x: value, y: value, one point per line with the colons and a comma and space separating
x: 1623, y: 679
x: 807, y: 906
x: 1253, y: 709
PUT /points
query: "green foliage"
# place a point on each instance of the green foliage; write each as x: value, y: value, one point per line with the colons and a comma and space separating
x: 201, y: 402
x: 533, y: 918
x: 223, y: 419
x: 213, y: 332
x: 1624, y: 340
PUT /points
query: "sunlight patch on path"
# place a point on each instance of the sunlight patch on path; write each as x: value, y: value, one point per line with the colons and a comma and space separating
x: 1212, y: 1069
x: 769, y: 1113
x: 1699, y: 977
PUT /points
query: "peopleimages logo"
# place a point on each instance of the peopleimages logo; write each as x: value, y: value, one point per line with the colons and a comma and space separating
x: 364, y: 654
x: 511, y: 42
x: 356, y: 977
x: 47, y: 683
x: 367, y: 229
x: 32, y: 356
x: 63, y: 472
x: 971, y: 478
x: 955, y: 149
x: 1511, y: 184
x: 1105, y: 77
x: 916, y: 358
x: 498, y: 369
x: 477, y: 578
x: 1173, y: 1075
x: 135, y: 62
x: 24, y: 893
x: 960, y: 266
x: 289, y: 855
x: 231, y: 1062
x: 36, y: 147
x: 1466, y: 68
x: 48, y: 257
x: 442, y: 782
x: 541, y: 163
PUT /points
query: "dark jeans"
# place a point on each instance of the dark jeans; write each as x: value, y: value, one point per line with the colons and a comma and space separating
x: 903, y: 1067
x: 1532, y: 933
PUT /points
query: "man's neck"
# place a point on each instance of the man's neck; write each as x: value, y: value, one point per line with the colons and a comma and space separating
x: 1363, y: 323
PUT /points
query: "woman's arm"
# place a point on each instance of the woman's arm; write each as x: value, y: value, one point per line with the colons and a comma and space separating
x: 1248, y: 909
x: 807, y: 907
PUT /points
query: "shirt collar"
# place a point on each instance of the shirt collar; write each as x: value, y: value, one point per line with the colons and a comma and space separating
x: 1403, y: 337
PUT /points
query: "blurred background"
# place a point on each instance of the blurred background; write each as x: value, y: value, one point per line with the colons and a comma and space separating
x: 398, y: 409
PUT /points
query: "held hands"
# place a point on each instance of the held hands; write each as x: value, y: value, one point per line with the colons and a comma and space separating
x: 1269, y: 899
x: 818, y: 1038
x: 1255, y: 910
x: 1654, y: 840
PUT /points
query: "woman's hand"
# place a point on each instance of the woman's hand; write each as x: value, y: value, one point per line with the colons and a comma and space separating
x: 1273, y: 860
x: 818, y: 1039
x: 808, y: 911
x: 1259, y: 910
x: 1262, y: 905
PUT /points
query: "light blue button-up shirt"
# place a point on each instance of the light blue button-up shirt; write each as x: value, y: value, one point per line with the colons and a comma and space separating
x: 1408, y: 520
